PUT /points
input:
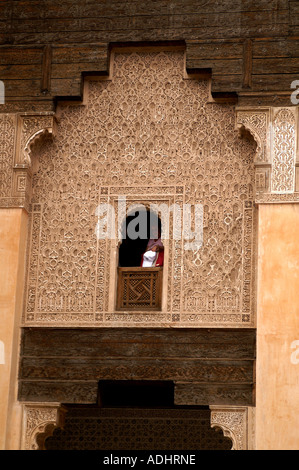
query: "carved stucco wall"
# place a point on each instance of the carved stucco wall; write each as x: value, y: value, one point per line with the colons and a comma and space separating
x: 39, y: 422
x: 151, y: 135
x: 275, y: 131
x: 135, y: 429
x: 17, y: 133
x: 87, y: 430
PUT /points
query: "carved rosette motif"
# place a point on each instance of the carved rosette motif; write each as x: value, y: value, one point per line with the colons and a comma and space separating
x: 39, y: 422
x: 150, y: 135
x: 233, y: 421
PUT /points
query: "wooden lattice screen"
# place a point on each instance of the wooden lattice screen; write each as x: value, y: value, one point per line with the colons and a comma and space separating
x: 139, y: 288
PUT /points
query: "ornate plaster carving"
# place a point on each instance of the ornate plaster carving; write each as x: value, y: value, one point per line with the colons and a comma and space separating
x: 284, y: 151
x: 30, y: 128
x: 39, y: 422
x: 150, y: 135
x: 233, y: 421
x: 7, y: 148
x: 275, y: 133
x: 257, y: 123
x: 18, y: 133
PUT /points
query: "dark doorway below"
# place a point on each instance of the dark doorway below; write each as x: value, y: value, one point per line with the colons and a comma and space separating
x: 136, y: 393
x: 137, y: 415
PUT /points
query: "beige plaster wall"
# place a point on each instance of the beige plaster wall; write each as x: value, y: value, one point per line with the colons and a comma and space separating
x: 13, y: 232
x: 277, y: 379
x: 277, y: 397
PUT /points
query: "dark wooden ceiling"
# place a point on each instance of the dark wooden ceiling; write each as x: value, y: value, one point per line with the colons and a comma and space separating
x: 248, y: 47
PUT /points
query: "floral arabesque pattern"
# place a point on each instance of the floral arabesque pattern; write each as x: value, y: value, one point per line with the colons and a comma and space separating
x: 146, y: 128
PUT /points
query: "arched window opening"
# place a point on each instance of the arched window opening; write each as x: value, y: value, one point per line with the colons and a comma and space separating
x: 141, y: 259
x: 141, y: 241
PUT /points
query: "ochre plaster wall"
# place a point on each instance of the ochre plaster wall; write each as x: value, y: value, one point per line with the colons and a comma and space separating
x: 277, y: 379
x: 13, y: 231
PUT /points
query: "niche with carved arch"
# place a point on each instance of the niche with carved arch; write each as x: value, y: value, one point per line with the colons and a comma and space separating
x: 140, y: 262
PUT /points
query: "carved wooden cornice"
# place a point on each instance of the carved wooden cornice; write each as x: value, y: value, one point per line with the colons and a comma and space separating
x: 21, y: 131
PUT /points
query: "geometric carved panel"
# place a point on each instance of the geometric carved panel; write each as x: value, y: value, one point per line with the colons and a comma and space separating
x: 207, y: 366
x: 135, y: 429
x: 275, y: 133
x: 148, y: 134
x: 139, y: 288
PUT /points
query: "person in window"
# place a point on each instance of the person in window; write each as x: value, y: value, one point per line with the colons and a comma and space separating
x: 154, y: 253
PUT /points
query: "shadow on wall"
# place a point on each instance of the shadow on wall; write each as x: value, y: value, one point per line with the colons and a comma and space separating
x: 2, y: 93
x: 141, y: 234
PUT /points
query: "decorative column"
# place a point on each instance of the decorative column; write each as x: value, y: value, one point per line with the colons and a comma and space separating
x: 235, y: 423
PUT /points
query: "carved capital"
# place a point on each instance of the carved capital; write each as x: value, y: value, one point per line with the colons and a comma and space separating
x: 233, y: 421
x: 39, y: 422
